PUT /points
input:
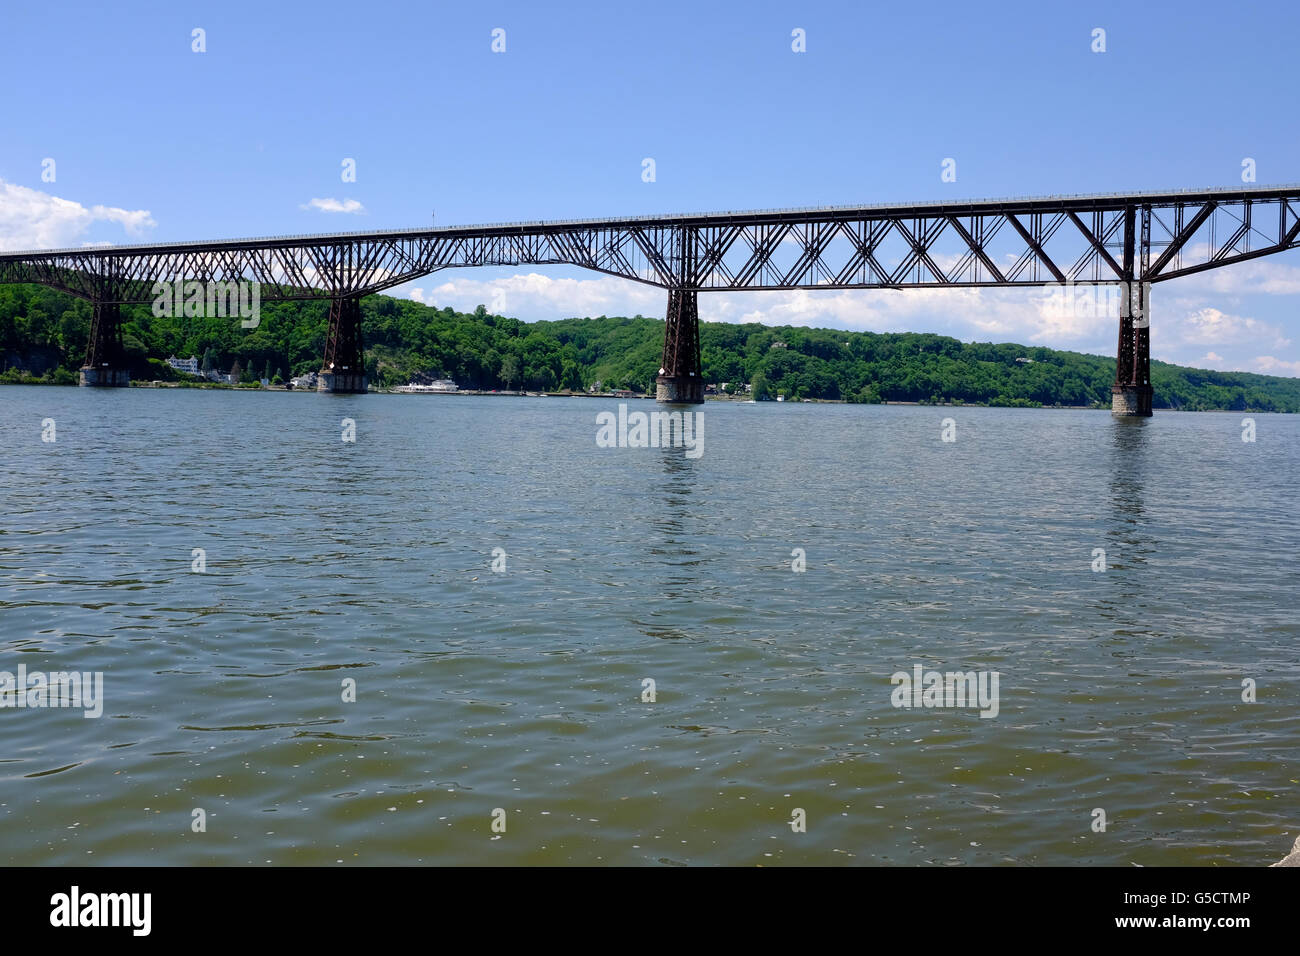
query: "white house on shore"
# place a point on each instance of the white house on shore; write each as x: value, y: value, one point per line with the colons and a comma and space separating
x: 189, y: 365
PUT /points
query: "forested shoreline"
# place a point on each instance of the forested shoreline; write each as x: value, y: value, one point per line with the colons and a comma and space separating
x: 43, y: 337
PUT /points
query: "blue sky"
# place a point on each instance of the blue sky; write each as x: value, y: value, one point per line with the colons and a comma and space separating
x: 152, y: 141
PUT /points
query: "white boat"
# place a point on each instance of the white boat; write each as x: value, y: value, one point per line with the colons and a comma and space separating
x: 441, y: 385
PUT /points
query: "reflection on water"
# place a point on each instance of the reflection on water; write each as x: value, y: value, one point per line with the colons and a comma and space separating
x: 522, y: 688
x: 672, y: 547
x: 1127, y: 484
x: 1128, y: 538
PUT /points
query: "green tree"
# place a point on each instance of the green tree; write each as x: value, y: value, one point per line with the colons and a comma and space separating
x: 509, y: 370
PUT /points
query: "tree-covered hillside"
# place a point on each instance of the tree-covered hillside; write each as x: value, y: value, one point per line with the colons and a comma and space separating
x: 43, y: 338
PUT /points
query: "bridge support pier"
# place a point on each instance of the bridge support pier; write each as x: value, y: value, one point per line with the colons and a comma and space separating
x: 680, y: 381
x: 1130, y: 396
x: 344, y: 369
x: 105, y: 358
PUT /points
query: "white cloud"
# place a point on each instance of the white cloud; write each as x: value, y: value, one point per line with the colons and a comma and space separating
x: 1269, y: 278
x: 971, y: 311
x: 1262, y: 364
x: 1182, y: 328
x: 1006, y: 315
x: 1253, y: 277
x: 534, y: 296
x: 31, y: 219
x: 1209, y: 326
x: 335, y: 205
x: 1275, y: 366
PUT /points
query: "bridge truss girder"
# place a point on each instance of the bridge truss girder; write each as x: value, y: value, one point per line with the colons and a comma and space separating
x: 1135, y: 240
x: 1030, y: 243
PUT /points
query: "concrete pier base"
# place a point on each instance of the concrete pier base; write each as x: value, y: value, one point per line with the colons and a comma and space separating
x: 105, y: 377
x: 343, y: 383
x: 1130, y: 401
x: 679, y: 390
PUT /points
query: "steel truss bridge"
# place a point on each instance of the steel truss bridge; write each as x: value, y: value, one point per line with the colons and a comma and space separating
x: 1131, y: 240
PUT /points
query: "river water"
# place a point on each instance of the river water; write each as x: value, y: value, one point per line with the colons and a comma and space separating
x: 516, y: 699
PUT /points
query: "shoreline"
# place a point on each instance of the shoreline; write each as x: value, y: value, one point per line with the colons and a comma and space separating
x: 501, y: 393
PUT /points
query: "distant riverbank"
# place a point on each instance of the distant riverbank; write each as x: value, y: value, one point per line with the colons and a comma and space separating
x: 407, y: 341
x: 608, y: 396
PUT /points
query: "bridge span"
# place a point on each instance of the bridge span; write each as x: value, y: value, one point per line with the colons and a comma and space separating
x: 1130, y: 240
